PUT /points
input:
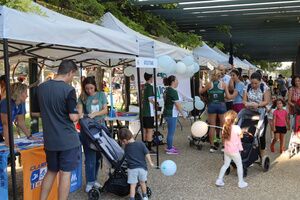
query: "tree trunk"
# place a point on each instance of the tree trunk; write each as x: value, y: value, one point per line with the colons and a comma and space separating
x: 99, y: 78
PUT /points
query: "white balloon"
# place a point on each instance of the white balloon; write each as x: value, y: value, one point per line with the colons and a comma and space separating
x: 199, y: 129
x: 196, y: 67
x: 166, y: 63
x: 129, y: 71
x: 199, y: 105
x: 187, y: 106
x: 188, y: 60
x: 197, y: 98
x: 190, y: 69
x: 180, y: 68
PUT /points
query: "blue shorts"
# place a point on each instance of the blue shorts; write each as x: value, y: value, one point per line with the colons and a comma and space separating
x: 216, y: 108
x: 66, y: 161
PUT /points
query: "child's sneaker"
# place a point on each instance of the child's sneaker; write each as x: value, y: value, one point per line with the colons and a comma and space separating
x: 172, y: 151
x: 220, y: 182
x: 213, y: 149
x: 243, y: 184
x: 145, y: 198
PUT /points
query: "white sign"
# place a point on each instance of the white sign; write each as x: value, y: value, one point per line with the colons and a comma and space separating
x: 142, y: 62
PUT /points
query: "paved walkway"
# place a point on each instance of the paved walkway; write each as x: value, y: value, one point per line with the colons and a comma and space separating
x: 197, y: 171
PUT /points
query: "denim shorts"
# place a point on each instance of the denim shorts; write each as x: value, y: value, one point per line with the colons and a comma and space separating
x: 216, y: 108
x: 136, y: 175
x: 65, y: 161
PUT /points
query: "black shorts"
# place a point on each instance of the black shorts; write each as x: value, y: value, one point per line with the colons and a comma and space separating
x: 280, y: 129
x: 148, y: 122
x: 65, y: 161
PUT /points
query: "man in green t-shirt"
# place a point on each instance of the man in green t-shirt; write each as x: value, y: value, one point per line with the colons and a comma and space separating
x: 148, y: 110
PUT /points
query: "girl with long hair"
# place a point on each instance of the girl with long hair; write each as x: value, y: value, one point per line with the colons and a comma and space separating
x: 93, y: 104
x: 171, y: 110
x: 231, y: 136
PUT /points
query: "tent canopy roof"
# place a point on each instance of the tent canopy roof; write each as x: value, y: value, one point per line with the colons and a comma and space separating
x: 55, y: 37
x: 160, y: 48
x: 266, y: 29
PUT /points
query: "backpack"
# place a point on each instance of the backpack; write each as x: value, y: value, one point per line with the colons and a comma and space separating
x: 261, y: 86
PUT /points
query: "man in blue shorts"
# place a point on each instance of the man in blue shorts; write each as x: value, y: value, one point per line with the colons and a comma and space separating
x: 57, y: 103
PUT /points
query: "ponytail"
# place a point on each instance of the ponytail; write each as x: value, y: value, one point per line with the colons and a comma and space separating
x: 168, y: 81
x: 230, y: 118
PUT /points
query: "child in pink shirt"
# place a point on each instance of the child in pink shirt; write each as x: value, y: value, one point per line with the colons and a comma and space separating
x: 281, y: 125
x: 231, y: 136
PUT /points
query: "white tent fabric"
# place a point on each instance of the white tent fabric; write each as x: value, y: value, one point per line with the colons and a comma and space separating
x: 206, y: 53
x: 160, y: 48
x: 61, y: 36
x: 251, y: 66
x: 236, y: 61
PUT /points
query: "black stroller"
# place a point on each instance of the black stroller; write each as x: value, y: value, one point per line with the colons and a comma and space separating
x: 253, y: 126
x: 110, y: 150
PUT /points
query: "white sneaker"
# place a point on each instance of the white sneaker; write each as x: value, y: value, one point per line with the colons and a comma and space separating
x: 88, y: 187
x: 220, y: 182
x: 97, y: 185
x: 145, y: 198
x: 243, y: 184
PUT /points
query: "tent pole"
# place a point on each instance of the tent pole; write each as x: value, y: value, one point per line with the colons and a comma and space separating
x: 140, y: 102
x: 156, y: 120
x: 194, y: 95
x: 9, y: 119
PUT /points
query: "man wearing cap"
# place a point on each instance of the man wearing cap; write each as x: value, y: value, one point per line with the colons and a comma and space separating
x: 148, y: 111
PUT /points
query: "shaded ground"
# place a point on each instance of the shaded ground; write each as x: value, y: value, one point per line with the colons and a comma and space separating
x: 197, y: 171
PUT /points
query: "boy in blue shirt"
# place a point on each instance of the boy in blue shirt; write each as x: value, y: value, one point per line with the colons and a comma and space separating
x: 136, y: 153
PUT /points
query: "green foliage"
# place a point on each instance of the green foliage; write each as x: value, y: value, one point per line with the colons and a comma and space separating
x: 286, y: 72
x: 269, y: 66
x: 217, y: 44
x: 169, y: 5
x: 224, y: 29
x: 22, y: 5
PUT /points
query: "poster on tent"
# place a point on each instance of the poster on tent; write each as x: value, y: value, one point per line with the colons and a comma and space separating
x: 184, y: 86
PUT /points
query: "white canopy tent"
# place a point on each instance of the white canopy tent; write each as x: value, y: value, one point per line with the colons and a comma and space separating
x: 236, y: 61
x: 205, y: 54
x: 111, y: 22
x: 251, y: 66
x: 52, y: 36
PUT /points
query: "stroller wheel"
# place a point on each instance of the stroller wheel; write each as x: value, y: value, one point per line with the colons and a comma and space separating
x: 245, y: 172
x: 149, y: 192
x: 199, y: 147
x: 266, y: 163
x: 227, y: 171
x: 94, y: 194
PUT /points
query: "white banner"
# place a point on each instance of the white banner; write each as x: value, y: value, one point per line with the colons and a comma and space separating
x: 142, y: 62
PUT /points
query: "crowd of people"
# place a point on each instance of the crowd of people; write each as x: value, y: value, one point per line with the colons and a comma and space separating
x: 229, y: 96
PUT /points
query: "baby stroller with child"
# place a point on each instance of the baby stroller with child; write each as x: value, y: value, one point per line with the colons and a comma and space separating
x: 110, y: 150
x: 252, y: 124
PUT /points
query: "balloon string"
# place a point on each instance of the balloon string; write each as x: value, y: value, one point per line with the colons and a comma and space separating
x: 215, y: 126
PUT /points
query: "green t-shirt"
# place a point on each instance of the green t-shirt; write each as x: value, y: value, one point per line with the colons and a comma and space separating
x: 170, y: 97
x: 94, y: 103
x: 148, y: 108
